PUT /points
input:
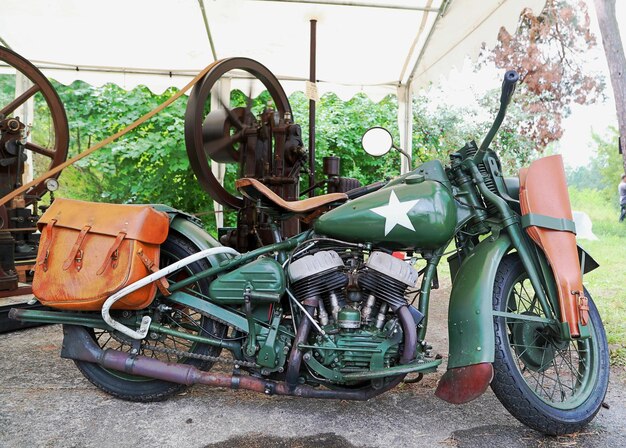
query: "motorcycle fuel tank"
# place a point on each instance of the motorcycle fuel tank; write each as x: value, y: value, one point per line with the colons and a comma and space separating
x: 415, y: 214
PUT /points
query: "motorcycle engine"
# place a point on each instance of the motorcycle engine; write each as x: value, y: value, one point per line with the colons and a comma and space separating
x: 358, y: 297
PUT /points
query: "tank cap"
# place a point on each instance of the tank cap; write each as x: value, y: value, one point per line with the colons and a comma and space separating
x: 414, y: 179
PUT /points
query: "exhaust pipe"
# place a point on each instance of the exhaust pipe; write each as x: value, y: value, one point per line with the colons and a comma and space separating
x: 79, y: 345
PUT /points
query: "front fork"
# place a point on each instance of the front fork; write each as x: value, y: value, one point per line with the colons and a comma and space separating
x: 425, y: 287
x: 537, y: 273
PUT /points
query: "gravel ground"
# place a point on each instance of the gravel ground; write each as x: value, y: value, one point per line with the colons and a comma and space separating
x: 45, y: 402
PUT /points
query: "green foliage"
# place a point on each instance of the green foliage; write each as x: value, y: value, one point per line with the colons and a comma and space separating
x: 149, y: 165
x: 585, y: 176
x: 437, y: 132
x: 609, y: 161
x: 606, y: 284
x: 7, y: 88
x: 604, y: 171
x: 339, y: 128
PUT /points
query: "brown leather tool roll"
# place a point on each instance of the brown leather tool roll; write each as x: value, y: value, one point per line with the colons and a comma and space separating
x: 88, y: 251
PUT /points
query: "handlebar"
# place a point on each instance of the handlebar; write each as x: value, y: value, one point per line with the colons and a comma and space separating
x: 362, y: 191
x: 508, y: 87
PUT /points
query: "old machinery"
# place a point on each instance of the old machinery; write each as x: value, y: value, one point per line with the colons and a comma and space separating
x: 18, y: 217
x: 266, y: 146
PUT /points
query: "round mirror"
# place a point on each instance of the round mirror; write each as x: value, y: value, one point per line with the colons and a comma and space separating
x: 377, y: 141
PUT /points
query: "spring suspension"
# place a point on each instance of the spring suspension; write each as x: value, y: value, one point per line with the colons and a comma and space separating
x: 471, y: 151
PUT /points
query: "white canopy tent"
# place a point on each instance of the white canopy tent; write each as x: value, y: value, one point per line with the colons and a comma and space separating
x: 373, y: 46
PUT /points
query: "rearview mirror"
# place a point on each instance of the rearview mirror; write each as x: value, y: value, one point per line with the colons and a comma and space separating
x: 377, y: 141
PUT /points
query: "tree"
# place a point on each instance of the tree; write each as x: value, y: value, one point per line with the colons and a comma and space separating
x: 549, y: 52
x: 616, y: 60
x: 149, y: 165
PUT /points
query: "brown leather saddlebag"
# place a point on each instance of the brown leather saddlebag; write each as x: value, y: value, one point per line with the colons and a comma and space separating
x: 89, y: 251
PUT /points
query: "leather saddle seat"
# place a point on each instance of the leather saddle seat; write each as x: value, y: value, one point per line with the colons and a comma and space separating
x: 257, y: 191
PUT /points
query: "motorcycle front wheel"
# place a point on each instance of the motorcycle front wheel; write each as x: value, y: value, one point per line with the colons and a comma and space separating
x: 142, y: 389
x: 552, y: 385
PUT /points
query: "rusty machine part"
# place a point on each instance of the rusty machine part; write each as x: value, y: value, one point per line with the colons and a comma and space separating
x: 267, y: 147
x: 18, y: 217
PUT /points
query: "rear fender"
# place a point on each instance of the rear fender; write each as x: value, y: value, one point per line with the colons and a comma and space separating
x: 190, y: 227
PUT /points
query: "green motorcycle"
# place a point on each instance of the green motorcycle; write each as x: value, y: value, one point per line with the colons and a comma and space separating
x: 339, y: 311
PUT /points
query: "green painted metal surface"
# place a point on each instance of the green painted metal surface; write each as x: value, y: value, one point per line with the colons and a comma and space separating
x: 548, y: 222
x: 354, y: 350
x: 93, y: 320
x: 199, y: 237
x: 512, y: 187
x: 191, y: 228
x: 431, y: 170
x: 470, y: 318
x: 272, y: 353
x: 403, y: 216
x: 420, y: 366
x: 222, y: 314
x: 265, y: 276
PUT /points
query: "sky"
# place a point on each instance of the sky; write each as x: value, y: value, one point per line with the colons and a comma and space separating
x: 576, y: 145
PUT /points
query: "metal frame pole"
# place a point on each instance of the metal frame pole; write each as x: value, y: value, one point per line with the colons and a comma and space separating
x: 312, y: 109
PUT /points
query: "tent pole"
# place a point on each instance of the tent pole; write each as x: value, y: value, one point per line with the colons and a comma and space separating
x: 4, y: 43
x: 442, y: 11
x: 405, y: 125
x: 208, y: 30
x: 26, y: 112
x: 356, y: 3
x: 312, y: 109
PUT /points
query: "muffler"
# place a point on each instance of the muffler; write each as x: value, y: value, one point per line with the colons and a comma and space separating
x: 79, y: 345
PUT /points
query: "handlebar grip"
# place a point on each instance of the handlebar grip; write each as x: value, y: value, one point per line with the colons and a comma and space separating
x: 362, y: 191
x: 508, y: 87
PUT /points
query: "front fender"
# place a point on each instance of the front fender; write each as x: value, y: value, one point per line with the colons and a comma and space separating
x: 470, y: 322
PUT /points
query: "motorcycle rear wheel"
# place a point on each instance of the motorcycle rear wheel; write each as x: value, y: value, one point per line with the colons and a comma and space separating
x: 552, y: 385
x: 141, y: 389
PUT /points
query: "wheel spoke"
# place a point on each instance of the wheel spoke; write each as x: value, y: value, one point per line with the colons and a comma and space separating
x: 17, y: 102
x: 553, y: 371
x: 576, y: 373
x: 40, y: 150
x: 233, y: 117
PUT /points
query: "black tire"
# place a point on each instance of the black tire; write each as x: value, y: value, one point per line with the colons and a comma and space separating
x: 553, y: 386
x: 142, y: 389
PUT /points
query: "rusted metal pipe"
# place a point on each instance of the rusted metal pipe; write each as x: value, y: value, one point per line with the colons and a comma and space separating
x: 295, y: 357
x: 410, y: 334
x: 79, y: 345
x: 312, y: 107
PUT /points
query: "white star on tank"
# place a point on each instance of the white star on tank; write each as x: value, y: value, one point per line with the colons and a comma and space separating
x: 396, y: 213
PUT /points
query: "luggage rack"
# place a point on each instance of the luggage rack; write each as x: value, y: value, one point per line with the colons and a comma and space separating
x: 21, y: 298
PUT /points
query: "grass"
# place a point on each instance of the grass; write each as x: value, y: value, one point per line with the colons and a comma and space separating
x: 606, y: 284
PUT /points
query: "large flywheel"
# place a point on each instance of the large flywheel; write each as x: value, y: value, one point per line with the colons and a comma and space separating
x: 13, y: 130
x: 46, y: 138
x: 228, y: 134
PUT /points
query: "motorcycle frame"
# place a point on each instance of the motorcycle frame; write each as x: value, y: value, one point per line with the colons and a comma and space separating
x: 470, y: 319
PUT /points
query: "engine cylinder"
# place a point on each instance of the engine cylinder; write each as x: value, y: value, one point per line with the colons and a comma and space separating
x: 319, y: 275
x: 387, y: 278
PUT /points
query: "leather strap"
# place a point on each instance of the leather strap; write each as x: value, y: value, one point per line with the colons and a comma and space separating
x: 49, y: 235
x: 76, y: 254
x: 583, y: 307
x: 548, y: 222
x: 161, y: 283
x: 112, y: 254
